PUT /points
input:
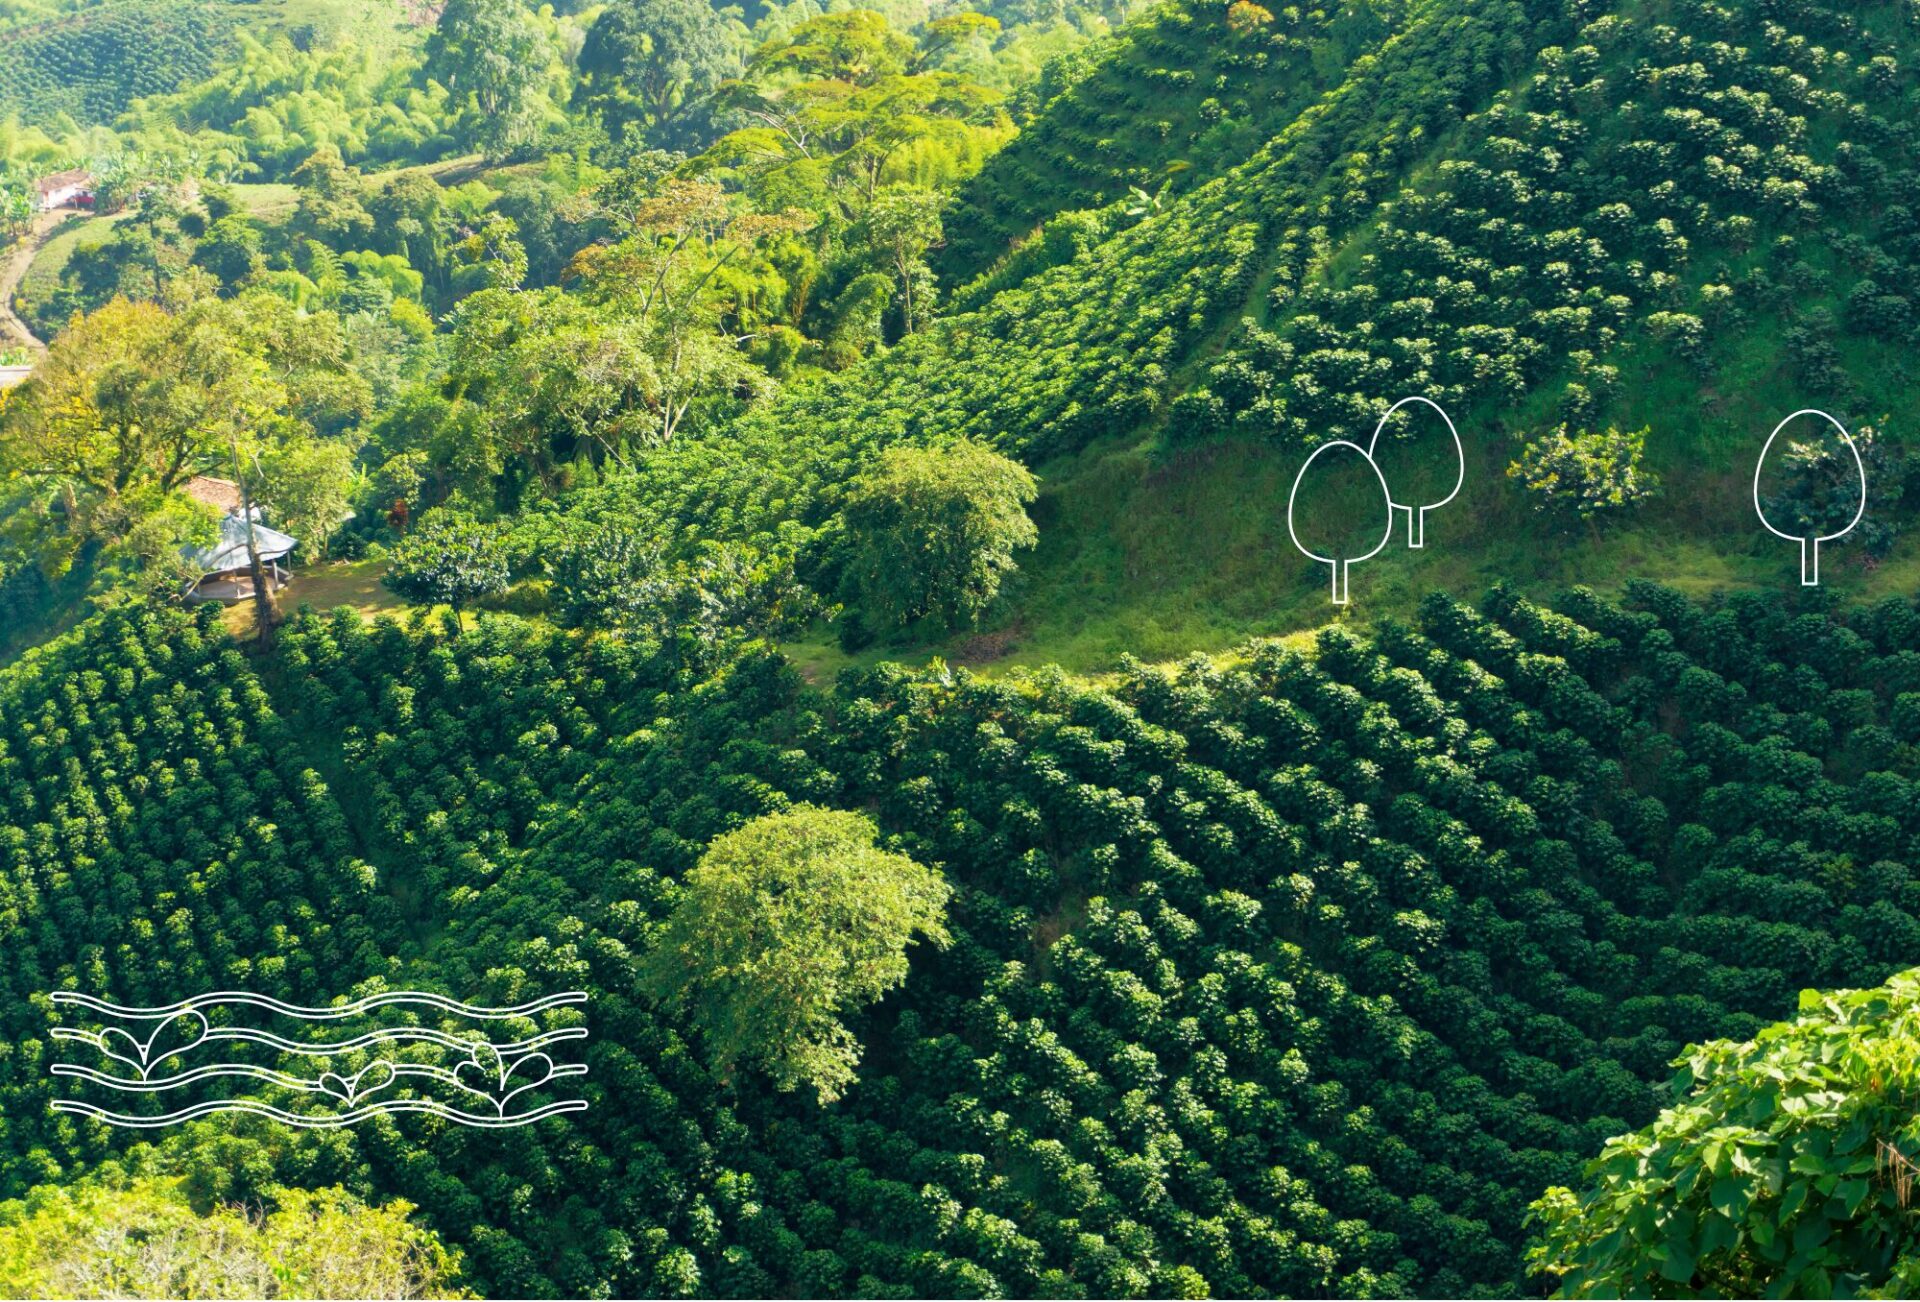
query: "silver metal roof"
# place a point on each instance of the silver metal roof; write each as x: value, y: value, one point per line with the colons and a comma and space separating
x: 230, y: 553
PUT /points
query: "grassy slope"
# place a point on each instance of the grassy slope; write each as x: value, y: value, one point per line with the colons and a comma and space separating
x: 1159, y: 560
x: 269, y: 202
x: 1156, y: 556
x: 328, y: 586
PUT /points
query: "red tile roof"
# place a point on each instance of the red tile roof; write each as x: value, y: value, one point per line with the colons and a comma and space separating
x: 220, y: 494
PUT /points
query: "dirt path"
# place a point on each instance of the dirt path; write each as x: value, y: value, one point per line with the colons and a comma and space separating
x: 15, y: 269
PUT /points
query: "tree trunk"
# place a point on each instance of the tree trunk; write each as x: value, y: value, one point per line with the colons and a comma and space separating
x: 906, y: 291
x: 265, y: 612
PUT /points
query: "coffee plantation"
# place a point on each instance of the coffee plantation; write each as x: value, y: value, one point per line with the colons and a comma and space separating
x: 1305, y: 976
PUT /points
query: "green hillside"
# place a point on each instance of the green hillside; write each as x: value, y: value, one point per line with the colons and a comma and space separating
x: 1305, y: 977
x: 91, y: 65
x: 1685, y: 217
x: 1678, y: 220
x: 91, y: 62
x: 810, y: 493
x: 1167, y: 103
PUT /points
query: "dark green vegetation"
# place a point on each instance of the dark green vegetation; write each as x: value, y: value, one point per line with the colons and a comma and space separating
x: 509, y: 330
x: 1302, y: 977
x: 1164, y: 106
x: 1681, y: 217
x: 1785, y: 1168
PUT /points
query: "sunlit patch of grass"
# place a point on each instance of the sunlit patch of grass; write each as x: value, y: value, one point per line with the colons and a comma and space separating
x: 354, y: 584
x: 1162, y: 560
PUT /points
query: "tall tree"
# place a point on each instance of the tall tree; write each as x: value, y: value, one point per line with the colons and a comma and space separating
x: 648, y: 66
x: 783, y: 928
x: 490, y: 256
x: 933, y: 531
x: 838, y: 102
x: 307, y: 482
x: 663, y: 283
x: 131, y: 402
x: 902, y: 224
x: 410, y: 218
x: 126, y: 406
x: 331, y: 208
x: 493, y: 56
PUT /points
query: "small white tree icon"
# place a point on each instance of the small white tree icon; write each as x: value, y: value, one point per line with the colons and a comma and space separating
x: 1340, y: 448
x: 1417, y: 515
x: 1809, y: 544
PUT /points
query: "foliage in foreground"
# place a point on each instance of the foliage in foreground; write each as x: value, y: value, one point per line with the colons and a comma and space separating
x: 784, y: 927
x: 1785, y: 1169
x: 119, y: 1236
x: 1586, y: 475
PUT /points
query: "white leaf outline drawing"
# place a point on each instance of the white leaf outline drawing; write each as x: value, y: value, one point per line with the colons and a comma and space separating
x: 1810, y: 547
x: 1417, y: 516
x: 145, y: 1061
x: 1340, y: 566
x: 351, y: 1089
x: 502, y: 1070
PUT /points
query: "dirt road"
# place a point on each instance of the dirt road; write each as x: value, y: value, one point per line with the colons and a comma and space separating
x: 12, y: 328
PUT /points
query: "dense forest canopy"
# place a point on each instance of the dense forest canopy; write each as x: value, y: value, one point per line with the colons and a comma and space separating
x: 658, y: 403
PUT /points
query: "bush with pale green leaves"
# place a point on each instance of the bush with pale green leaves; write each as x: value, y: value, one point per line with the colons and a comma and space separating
x: 1785, y: 1169
x: 1586, y: 475
x: 117, y: 1236
x: 934, y: 529
x: 785, y: 927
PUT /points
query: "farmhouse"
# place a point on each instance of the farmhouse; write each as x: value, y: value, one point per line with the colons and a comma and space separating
x: 72, y: 189
x: 226, y: 573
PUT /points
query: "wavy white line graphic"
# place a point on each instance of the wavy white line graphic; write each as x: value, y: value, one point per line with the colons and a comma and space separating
x: 477, y: 1067
x: 387, y: 1035
x: 280, y: 1078
x: 332, y: 1012
x: 429, y: 1106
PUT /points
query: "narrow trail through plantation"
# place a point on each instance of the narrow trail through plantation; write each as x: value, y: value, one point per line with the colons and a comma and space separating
x: 14, y: 270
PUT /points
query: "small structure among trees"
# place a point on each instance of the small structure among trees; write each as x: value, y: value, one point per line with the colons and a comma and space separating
x: 72, y: 189
x: 226, y: 570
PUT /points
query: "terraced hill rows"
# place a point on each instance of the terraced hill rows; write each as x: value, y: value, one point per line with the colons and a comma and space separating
x: 1680, y: 214
x: 91, y: 64
x: 1171, y: 102
x: 1300, y: 977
